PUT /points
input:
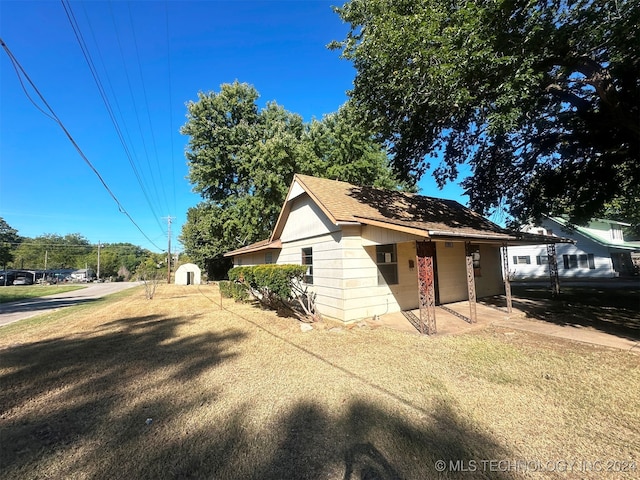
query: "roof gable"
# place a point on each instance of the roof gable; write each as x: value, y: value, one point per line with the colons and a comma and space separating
x: 344, y: 202
x: 419, y: 215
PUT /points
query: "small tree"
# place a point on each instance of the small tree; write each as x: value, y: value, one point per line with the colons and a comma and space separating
x: 124, y: 274
x: 149, y: 273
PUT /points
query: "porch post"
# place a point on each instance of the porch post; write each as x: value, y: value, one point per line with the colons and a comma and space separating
x: 471, y: 283
x: 425, y: 252
x: 552, y: 259
x: 507, y: 283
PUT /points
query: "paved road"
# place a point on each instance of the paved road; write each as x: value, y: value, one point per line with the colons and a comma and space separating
x: 14, y: 311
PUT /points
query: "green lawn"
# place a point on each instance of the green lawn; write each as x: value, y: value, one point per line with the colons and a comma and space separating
x: 20, y: 292
x: 183, y: 387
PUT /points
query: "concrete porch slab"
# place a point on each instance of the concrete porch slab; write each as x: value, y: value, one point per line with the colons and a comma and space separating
x: 451, y: 324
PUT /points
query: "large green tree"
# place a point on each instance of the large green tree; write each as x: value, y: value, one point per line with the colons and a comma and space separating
x: 242, y: 159
x: 541, y: 98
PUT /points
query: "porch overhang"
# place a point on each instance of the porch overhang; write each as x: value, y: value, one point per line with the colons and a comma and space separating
x: 508, y: 239
x: 256, y: 247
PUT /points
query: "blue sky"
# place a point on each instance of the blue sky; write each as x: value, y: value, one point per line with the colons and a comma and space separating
x: 151, y: 58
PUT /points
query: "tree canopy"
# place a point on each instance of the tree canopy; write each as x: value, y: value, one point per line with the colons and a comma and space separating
x: 9, y: 240
x: 540, y: 98
x: 242, y: 160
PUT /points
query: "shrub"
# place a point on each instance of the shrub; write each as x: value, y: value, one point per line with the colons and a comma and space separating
x: 276, y: 286
x: 237, y: 291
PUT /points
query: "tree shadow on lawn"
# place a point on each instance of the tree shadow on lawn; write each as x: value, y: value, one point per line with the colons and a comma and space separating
x: 96, y: 428
x: 92, y: 374
x: 614, y: 311
x: 308, y: 442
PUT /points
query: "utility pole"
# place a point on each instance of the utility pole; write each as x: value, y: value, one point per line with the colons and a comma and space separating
x: 98, y: 272
x: 169, y: 218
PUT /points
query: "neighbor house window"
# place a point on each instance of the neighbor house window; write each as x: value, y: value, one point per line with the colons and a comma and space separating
x: 616, y: 232
x: 579, y: 261
x: 307, y: 259
x: 387, y: 261
x: 268, y: 257
x: 570, y: 261
x: 522, y: 260
x: 542, y: 260
x: 582, y: 261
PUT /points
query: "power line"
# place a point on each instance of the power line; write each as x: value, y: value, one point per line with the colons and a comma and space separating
x: 146, y: 102
x: 173, y: 163
x: 87, y: 56
x: 19, y: 69
x: 135, y: 107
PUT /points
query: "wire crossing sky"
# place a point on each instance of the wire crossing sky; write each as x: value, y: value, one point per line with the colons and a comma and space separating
x: 118, y: 75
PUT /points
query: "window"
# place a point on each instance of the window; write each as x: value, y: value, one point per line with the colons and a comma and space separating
x: 268, y: 257
x: 387, y: 261
x: 570, y: 261
x: 616, y: 232
x: 579, y: 261
x: 582, y: 261
x: 542, y: 260
x: 522, y: 260
x: 307, y: 259
x: 475, y: 256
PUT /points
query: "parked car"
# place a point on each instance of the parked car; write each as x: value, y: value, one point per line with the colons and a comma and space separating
x: 23, y: 281
x: 7, y: 278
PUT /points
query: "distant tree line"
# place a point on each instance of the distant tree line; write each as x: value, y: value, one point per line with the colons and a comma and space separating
x: 118, y: 261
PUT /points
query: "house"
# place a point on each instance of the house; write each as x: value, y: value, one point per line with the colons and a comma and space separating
x: 599, y: 251
x: 370, y: 251
x: 188, y: 274
x: 83, y: 275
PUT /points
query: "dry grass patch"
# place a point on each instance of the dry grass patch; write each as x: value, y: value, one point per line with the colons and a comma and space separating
x: 239, y: 393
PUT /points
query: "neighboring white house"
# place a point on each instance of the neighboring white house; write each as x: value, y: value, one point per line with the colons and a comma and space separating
x: 599, y: 251
x: 187, y: 274
x: 83, y: 275
x: 364, y: 248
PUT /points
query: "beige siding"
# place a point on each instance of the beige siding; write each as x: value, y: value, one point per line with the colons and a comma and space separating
x: 452, y: 272
x: 345, y: 274
x: 257, y: 258
x: 381, y: 236
x: 362, y: 295
x: 406, y: 292
x: 306, y: 220
x: 490, y: 280
x: 327, y: 266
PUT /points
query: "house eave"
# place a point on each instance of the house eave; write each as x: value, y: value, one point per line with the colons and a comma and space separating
x: 509, y: 239
x: 255, y: 247
x: 394, y: 226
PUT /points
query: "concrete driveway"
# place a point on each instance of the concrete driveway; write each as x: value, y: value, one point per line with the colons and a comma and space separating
x: 14, y: 311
